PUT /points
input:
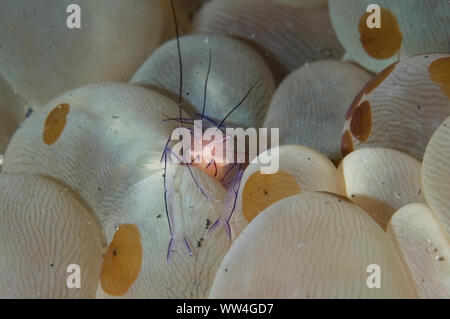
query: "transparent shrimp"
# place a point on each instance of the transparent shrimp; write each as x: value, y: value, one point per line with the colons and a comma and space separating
x: 228, y: 175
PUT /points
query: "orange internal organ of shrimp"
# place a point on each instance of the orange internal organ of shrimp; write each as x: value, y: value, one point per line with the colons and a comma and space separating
x: 211, y: 157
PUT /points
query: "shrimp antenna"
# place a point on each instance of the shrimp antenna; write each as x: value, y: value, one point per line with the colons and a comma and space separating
x: 206, y: 84
x: 240, y: 102
x: 165, y: 194
x: 177, y: 33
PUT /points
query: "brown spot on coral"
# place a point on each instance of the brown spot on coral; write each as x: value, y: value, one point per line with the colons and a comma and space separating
x: 346, y: 143
x: 440, y: 72
x: 384, y: 42
x: 361, y: 122
x: 368, y: 88
x: 354, y: 104
x: 262, y: 190
x: 379, y: 78
x: 55, y: 123
x: 122, y: 262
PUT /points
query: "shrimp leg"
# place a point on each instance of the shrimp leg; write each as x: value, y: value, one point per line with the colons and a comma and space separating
x: 169, y: 200
x: 228, y: 205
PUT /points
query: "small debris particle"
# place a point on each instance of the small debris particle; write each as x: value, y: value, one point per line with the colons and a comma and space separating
x: 159, y: 216
x: 51, y: 265
x: 29, y: 112
x: 301, y: 243
x: 199, y: 242
x: 114, y: 253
